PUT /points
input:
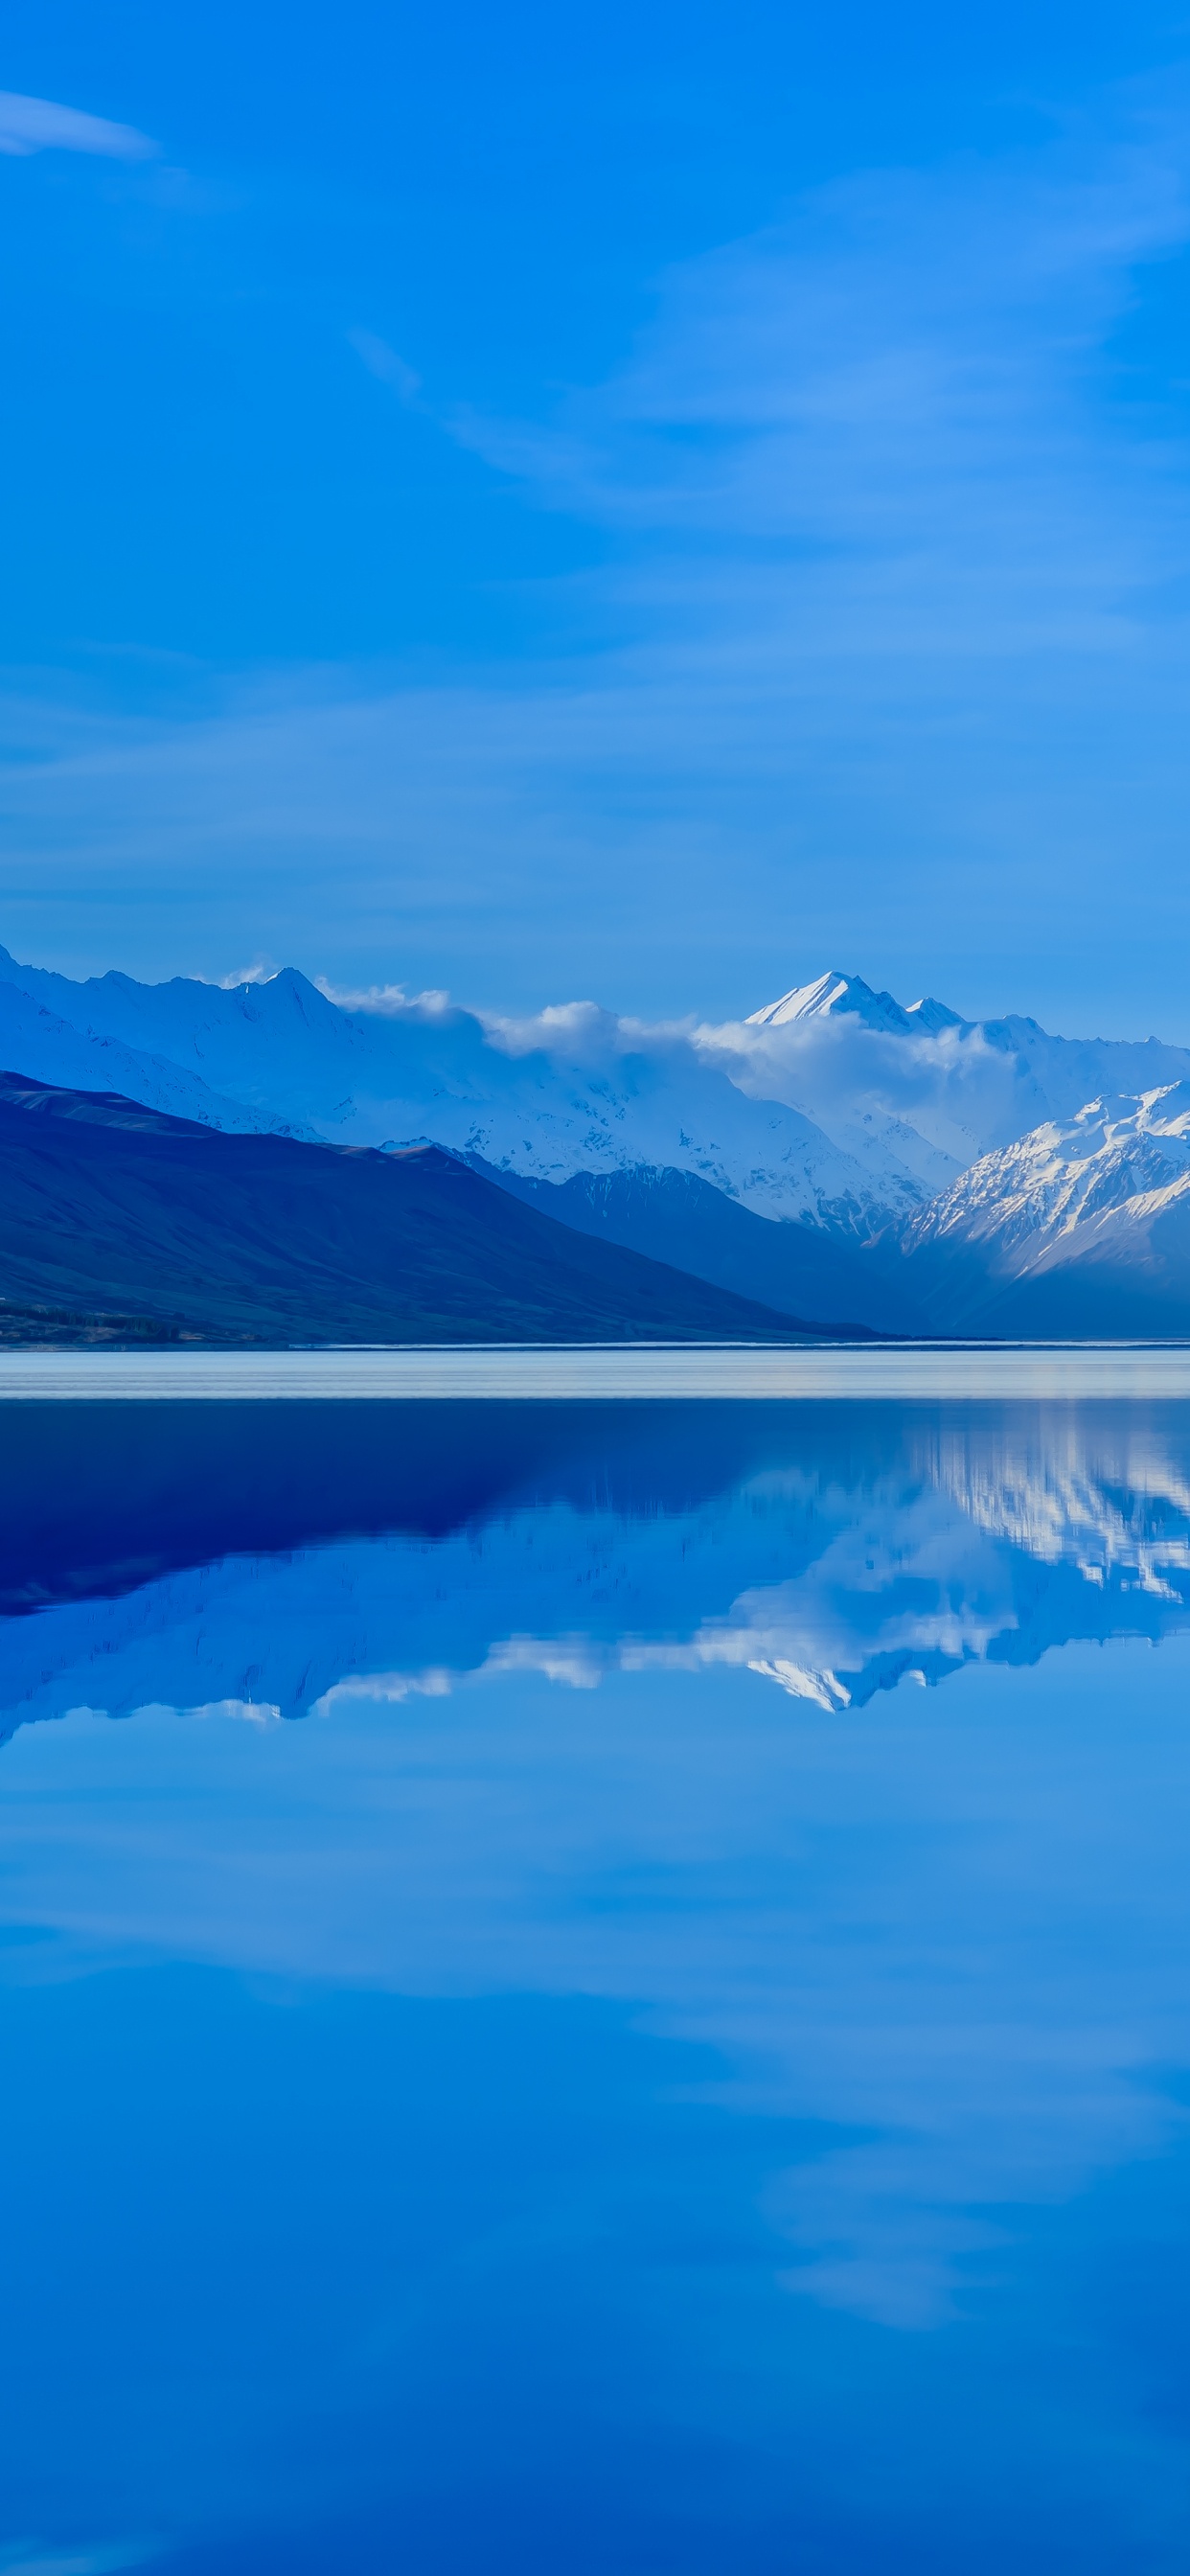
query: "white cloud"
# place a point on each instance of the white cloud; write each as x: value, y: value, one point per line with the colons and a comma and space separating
x: 384, y: 363
x: 953, y: 1088
x: 39, y: 125
x: 384, y: 1688
x: 263, y: 972
x: 576, y: 1661
x: 387, y: 1001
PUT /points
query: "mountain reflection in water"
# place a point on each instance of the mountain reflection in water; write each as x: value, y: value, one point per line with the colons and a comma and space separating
x: 196, y: 1554
x: 727, y: 2112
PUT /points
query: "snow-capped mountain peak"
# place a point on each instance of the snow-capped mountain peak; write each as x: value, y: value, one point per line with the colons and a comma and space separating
x: 836, y: 993
x: 934, y: 1016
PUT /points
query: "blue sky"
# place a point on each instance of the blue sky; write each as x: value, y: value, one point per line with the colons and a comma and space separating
x: 647, y: 504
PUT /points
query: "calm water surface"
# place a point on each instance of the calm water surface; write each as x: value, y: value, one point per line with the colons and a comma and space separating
x: 595, y: 1985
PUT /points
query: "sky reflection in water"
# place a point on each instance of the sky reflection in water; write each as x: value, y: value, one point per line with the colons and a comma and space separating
x: 632, y: 2077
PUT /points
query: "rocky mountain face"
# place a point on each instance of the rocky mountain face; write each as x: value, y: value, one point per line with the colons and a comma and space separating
x: 1082, y: 1225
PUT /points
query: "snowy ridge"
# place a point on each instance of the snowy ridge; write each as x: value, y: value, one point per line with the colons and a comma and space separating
x: 1068, y: 1190
x: 36, y: 1041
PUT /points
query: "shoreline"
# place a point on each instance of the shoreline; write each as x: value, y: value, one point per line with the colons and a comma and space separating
x: 992, y: 1371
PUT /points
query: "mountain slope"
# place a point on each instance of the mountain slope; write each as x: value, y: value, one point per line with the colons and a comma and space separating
x: 112, y: 1211
x: 48, y: 1048
x: 674, y: 1216
x: 1081, y: 1227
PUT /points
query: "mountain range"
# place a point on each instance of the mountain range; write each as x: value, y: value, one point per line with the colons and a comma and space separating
x: 838, y: 1158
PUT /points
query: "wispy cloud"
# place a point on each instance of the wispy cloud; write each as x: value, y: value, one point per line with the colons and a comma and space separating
x: 29, y: 2558
x: 262, y: 972
x: 895, y: 412
x: 387, y: 1001
x: 40, y: 125
x: 384, y: 363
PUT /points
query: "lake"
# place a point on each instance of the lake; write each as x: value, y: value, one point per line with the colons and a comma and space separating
x: 596, y: 1979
